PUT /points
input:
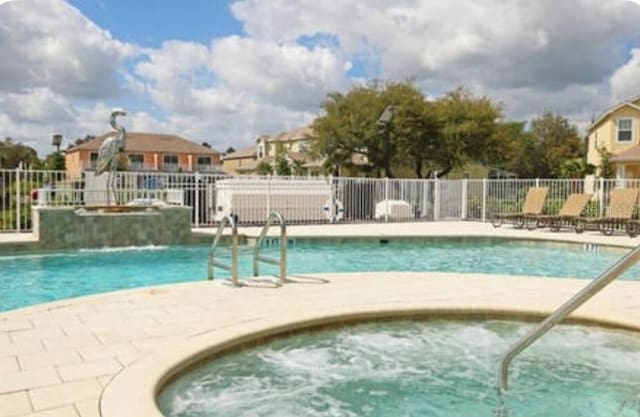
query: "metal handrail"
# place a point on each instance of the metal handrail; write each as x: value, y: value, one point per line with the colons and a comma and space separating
x: 233, y: 268
x: 564, y: 310
x: 282, y: 262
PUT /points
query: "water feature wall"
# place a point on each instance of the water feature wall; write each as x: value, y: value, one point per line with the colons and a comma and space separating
x: 71, y: 227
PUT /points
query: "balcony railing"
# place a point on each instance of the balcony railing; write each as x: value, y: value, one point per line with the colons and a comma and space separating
x: 137, y: 166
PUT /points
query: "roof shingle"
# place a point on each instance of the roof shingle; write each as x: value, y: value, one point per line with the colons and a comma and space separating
x: 150, y: 142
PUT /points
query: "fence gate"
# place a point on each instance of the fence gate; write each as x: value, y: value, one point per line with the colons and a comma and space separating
x: 450, y: 196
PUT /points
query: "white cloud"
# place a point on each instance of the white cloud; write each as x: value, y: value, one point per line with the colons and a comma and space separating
x: 555, y: 49
x: 48, y: 43
x: 287, y: 74
x: 37, y: 105
x: 235, y: 88
x: 61, y: 73
x: 625, y: 82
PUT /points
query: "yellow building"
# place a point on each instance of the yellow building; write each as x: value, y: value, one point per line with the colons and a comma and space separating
x: 618, y: 131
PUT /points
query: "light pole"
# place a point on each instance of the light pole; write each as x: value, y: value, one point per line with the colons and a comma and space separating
x: 384, y: 124
x: 57, y: 141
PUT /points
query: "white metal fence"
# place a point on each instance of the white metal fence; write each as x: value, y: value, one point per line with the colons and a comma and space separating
x: 302, y: 200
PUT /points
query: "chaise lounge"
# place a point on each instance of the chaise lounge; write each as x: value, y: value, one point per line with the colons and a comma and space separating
x: 568, y: 215
x: 619, y: 213
x: 532, y: 206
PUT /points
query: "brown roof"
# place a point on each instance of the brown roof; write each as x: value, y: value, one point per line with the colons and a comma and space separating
x: 150, y: 142
x: 242, y: 153
x: 630, y: 155
x: 295, y: 134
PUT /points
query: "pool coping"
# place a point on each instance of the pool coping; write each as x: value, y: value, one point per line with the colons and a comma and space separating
x: 142, y: 380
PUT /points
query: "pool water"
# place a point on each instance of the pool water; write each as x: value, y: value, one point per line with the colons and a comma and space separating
x: 27, y: 279
x: 435, y: 369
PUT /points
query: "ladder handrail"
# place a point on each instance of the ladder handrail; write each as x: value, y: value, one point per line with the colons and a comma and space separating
x: 274, y: 215
x: 564, y: 310
x: 228, y: 219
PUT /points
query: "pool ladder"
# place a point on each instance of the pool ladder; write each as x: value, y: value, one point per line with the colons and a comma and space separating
x: 282, y: 262
x: 213, y: 262
x: 564, y: 310
x: 257, y: 257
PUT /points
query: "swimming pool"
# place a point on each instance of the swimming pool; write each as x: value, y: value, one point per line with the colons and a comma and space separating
x: 438, y: 368
x: 27, y: 279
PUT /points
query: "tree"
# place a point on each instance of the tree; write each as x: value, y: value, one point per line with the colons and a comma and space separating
x: 607, y: 168
x: 429, y: 136
x: 556, y: 142
x: 264, y: 168
x: 576, y: 168
x: 282, y: 165
x: 229, y: 150
x: 54, y: 161
x: 298, y: 168
x: 512, y: 148
x: 468, y: 125
x: 415, y: 129
x: 13, y: 153
x: 349, y: 126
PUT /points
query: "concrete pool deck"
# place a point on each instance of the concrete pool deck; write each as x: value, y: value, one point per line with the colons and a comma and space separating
x: 56, y: 359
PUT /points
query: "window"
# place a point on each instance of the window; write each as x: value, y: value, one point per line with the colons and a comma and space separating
x: 93, y: 159
x: 170, y: 162
x: 136, y: 161
x: 625, y: 130
x: 204, y: 163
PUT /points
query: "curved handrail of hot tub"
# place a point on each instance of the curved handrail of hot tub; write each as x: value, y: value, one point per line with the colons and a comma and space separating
x: 584, y: 295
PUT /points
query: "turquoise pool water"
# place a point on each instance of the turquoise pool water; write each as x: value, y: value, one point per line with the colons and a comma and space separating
x: 435, y: 369
x: 27, y: 279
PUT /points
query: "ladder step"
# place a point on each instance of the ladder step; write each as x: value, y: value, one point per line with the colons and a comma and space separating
x: 268, y: 260
x: 222, y: 266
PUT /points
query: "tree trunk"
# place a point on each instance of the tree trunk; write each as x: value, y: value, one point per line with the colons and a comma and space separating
x: 445, y: 172
x: 418, y: 168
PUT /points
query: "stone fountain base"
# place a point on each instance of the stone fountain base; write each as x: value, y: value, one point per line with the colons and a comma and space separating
x: 110, y: 226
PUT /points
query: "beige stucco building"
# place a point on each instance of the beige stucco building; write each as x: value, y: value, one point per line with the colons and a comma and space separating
x: 294, y: 144
x: 147, y: 152
x: 618, y: 131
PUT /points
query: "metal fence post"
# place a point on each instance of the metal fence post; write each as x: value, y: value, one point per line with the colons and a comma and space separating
x: 436, y: 198
x: 601, y: 198
x: 386, y: 199
x: 18, y: 202
x: 484, y: 200
x: 464, y: 193
x: 268, y: 196
x: 196, y: 218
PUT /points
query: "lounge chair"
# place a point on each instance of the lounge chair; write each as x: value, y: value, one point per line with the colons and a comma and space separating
x: 622, y: 204
x: 532, y: 206
x: 568, y: 215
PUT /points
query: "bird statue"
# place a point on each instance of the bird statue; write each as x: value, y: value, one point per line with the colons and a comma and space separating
x: 109, y: 152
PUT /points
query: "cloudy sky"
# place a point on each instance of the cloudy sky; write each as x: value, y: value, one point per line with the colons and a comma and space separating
x: 225, y: 72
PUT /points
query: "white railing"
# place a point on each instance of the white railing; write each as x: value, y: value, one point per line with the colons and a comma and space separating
x: 302, y: 200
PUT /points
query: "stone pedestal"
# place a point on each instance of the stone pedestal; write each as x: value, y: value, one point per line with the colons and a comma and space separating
x: 71, y: 227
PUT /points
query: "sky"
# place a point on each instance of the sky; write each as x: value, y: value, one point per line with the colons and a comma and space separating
x: 224, y: 72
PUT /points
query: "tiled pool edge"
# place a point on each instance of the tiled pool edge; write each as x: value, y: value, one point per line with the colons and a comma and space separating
x: 142, y: 380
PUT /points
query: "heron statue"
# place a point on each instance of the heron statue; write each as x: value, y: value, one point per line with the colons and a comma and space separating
x: 109, y: 152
